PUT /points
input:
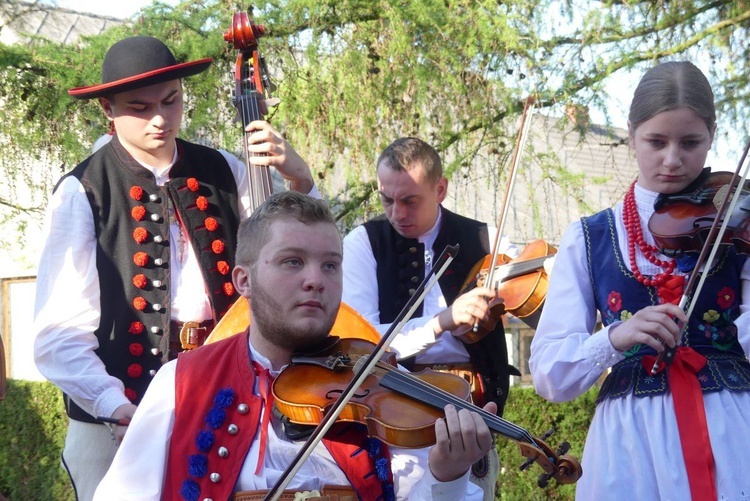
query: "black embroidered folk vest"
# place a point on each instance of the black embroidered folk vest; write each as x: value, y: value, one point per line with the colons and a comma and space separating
x: 131, y: 219
x: 401, y: 268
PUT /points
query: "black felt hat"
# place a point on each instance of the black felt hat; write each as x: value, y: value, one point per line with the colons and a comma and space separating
x: 138, y: 62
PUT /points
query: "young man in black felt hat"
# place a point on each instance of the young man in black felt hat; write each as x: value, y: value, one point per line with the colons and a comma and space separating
x: 140, y: 247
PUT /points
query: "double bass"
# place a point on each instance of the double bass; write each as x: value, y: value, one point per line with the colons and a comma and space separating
x: 252, y: 90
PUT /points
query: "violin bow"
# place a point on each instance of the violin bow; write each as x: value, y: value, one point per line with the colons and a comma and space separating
x: 362, y: 371
x: 715, y: 234
x: 523, y: 133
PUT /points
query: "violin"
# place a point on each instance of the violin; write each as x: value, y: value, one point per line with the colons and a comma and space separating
x: 681, y: 222
x: 398, y: 407
x: 521, y: 285
x: 719, y: 190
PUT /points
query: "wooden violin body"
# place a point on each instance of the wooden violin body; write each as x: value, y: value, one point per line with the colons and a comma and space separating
x: 521, y: 284
x: 305, y: 390
x: 398, y: 407
x: 681, y: 222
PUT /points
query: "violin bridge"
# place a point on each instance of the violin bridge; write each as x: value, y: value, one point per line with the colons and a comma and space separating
x: 338, y: 361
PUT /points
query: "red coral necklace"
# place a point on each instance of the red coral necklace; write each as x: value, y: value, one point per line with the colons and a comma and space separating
x: 635, y: 236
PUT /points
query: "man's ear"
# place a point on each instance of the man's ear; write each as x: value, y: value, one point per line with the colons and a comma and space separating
x: 106, y: 105
x: 241, y: 280
x: 442, y: 189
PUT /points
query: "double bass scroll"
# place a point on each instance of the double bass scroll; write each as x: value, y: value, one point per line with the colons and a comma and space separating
x: 252, y: 88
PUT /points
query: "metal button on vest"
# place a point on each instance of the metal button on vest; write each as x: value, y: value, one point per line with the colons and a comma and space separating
x: 223, y: 452
x: 157, y: 306
x: 232, y: 429
x: 158, y: 261
x: 215, y: 478
x: 414, y: 279
x: 155, y: 330
x: 415, y: 264
x: 152, y: 373
x: 154, y: 217
x: 243, y: 409
x: 156, y: 283
x: 158, y: 239
x: 153, y: 197
x: 155, y: 351
x: 413, y: 250
x: 412, y: 291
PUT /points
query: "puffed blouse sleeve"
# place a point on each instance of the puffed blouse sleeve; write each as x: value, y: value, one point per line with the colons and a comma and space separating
x: 567, y: 355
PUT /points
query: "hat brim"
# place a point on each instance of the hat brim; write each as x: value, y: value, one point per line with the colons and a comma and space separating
x: 154, y: 77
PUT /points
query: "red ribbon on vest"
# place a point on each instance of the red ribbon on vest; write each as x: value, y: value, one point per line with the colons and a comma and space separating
x: 691, y: 419
x: 671, y: 291
x: 264, y: 384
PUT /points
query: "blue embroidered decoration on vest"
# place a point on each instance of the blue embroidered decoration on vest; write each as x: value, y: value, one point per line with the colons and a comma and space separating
x: 198, y: 463
x: 711, y: 330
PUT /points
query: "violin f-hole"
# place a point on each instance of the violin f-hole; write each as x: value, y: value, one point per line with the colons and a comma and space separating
x: 333, y: 394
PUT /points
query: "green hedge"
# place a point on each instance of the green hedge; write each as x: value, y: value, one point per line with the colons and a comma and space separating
x: 529, y: 411
x: 32, y: 435
x: 33, y: 424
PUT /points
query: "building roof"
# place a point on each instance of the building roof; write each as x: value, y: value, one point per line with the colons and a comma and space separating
x: 22, y: 22
x: 566, y: 171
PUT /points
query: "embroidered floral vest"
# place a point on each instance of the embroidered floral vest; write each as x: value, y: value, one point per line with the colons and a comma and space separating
x: 711, y: 330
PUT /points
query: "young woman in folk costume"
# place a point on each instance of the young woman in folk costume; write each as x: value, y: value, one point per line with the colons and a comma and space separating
x: 681, y: 433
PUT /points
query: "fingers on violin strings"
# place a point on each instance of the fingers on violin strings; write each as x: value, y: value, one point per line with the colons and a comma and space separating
x: 442, y: 439
x: 483, y: 435
x: 453, y: 427
x: 470, y: 429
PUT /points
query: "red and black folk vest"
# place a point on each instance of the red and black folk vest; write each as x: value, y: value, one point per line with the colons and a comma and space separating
x: 131, y: 220
x: 401, y: 267
x: 217, y: 416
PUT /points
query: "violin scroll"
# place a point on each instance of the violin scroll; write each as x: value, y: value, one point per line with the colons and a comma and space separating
x: 556, y: 464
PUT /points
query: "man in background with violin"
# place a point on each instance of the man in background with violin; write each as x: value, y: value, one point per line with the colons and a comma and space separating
x: 386, y: 258
x: 202, y: 433
x: 140, y: 243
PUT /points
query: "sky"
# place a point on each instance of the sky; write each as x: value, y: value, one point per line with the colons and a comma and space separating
x: 120, y: 9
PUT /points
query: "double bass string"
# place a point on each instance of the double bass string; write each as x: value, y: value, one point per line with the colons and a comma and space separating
x: 259, y: 178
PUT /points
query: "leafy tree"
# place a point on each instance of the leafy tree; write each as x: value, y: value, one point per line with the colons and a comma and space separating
x: 354, y: 74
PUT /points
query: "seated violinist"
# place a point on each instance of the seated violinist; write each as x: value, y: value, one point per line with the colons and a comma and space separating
x: 202, y: 433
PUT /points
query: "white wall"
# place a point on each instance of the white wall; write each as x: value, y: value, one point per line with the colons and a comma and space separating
x: 18, y: 314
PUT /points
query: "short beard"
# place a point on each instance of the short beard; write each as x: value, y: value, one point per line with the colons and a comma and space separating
x: 268, y: 316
